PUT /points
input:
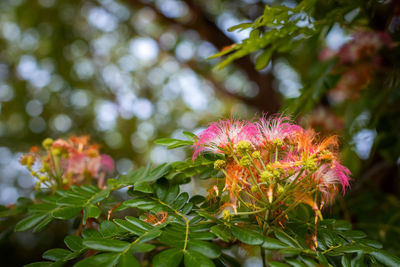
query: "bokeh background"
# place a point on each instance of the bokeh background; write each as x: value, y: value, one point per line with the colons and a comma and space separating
x: 128, y: 72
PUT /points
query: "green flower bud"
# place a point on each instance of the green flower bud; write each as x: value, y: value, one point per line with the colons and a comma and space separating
x: 47, y: 143
x: 281, y: 189
x: 310, y: 164
x: 266, y: 176
x: 243, y: 147
x: 56, y: 152
x: 254, y: 189
x: 256, y: 155
x: 245, y: 161
x: 219, y: 164
x: 278, y: 142
x: 276, y: 173
x: 226, y: 215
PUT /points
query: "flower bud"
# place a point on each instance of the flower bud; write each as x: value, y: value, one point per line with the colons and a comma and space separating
x: 280, y: 189
x: 226, y: 215
x: 243, y: 147
x: 245, y: 161
x: 93, y: 153
x: 47, y: 143
x: 256, y: 155
x: 56, y: 151
x: 266, y: 176
x: 278, y: 142
x: 254, y: 189
x: 310, y: 164
x: 219, y: 164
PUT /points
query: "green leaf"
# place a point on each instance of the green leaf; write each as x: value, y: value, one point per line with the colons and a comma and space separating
x: 128, y: 260
x: 353, y: 249
x: 41, y: 225
x: 56, y: 254
x: 208, y: 249
x: 172, y: 193
x: 290, y: 251
x: 272, y: 243
x: 354, y: 234
x: 90, y: 211
x: 277, y: 264
x: 247, y: 236
x: 309, y: 262
x: 287, y: 239
x: 103, y: 260
x: 346, y: 262
x: 385, y: 258
x: 322, y: 259
x: 168, y: 258
x: 189, y: 135
x: 150, y: 235
x: 103, y: 194
x: 157, y: 172
x: 29, y: 222
x: 73, y: 242
x: 102, y: 244
x: 295, y: 263
x: 187, y: 208
x: 341, y: 225
x: 263, y: 59
x: 140, y: 248
x: 371, y: 243
x: 108, y: 229
x: 66, y: 213
x: 139, y: 223
x: 193, y: 258
x: 71, y: 201
x: 225, y: 50
x: 143, y: 187
x: 141, y: 203
x: 90, y: 233
x: 222, y: 232
x: 180, y: 201
x: 241, y: 26
x: 129, y: 227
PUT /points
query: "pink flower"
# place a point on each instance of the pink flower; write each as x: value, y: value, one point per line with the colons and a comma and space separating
x: 365, y: 44
x: 329, y: 176
x: 277, y: 128
x: 106, y: 164
x: 224, y: 133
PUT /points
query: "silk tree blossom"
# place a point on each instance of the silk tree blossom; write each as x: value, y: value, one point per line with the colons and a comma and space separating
x: 277, y: 128
x: 273, y: 165
x: 223, y: 135
x: 74, y: 161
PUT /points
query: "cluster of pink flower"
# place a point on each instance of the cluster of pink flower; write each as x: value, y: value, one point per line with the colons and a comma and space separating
x: 68, y: 162
x: 273, y: 164
x: 359, y: 59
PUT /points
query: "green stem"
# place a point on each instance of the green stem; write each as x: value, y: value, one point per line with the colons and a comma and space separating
x: 183, y: 217
x: 263, y: 256
x: 252, y: 163
x: 253, y: 179
x: 250, y: 212
x: 256, y: 199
